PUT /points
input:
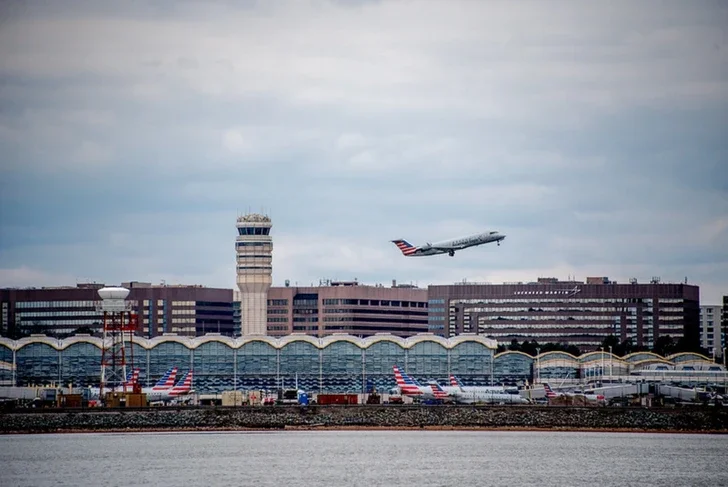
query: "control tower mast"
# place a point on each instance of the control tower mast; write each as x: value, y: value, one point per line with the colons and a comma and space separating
x: 254, y: 254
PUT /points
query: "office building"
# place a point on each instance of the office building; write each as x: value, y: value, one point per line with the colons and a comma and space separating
x: 572, y: 312
x: 711, y: 333
x: 66, y: 310
x: 347, y: 307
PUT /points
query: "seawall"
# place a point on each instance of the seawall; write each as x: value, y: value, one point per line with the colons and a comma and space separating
x: 705, y: 419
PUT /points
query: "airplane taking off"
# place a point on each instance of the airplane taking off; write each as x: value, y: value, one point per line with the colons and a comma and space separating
x: 447, y: 246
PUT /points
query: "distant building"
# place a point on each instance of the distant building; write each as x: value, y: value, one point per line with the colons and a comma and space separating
x: 711, y: 334
x: 347, y: 307
x: 62, y: 311
x: 571, y: 312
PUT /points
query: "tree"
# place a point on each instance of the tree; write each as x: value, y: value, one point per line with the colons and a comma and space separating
x: 664, y: 346
x: 514, y: 346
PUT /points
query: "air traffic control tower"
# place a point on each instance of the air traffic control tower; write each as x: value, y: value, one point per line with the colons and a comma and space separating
x: 254, y: 249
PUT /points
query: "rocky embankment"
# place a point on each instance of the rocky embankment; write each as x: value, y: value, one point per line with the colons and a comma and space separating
x: 705, y: 419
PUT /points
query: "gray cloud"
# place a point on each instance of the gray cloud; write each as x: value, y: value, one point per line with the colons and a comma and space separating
x: 594, y: 136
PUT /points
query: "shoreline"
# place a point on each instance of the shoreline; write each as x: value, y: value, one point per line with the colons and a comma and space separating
x: 296, y: 428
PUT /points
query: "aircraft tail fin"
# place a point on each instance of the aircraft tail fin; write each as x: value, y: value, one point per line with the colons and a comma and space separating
x: 438, y: 391
x: 455, y: 382
x: 404, y: 246
x: 549, y: 392
x: 167, y: 381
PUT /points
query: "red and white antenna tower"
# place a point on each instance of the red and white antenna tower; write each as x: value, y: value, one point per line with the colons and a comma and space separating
x: 119, y: 327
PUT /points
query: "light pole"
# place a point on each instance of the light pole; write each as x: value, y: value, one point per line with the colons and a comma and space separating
x: 610, y: 362
x: 538, y: 365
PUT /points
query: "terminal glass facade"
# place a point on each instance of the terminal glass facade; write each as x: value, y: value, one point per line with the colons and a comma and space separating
x: 333, y: 364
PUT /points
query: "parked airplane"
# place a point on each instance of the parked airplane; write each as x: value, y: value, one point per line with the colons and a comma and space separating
x: 183, y: 387
x: 410, y: 387
x: 165, y: 383
x: 457, y: 385
x: 484, y: 396
x: 447, y: 246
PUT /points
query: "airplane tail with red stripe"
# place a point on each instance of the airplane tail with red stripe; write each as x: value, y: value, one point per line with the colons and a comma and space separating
x: 184, y: 386
x: 405, y: 247
x: 438, y: 391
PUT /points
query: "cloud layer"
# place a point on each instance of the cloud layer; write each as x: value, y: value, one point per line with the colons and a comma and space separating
x: 594, y: 136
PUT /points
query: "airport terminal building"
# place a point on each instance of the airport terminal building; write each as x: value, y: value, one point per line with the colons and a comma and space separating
x: 337, y: 363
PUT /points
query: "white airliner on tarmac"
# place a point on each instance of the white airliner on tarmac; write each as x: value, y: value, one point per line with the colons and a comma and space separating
x: 481, y: 395
x: 447, y: 246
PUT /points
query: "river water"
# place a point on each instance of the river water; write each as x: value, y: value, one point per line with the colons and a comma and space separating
x: 366, y: 458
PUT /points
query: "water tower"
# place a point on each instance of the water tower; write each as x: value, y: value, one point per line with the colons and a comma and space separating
x: 254, y: 256
x: 118, y: 328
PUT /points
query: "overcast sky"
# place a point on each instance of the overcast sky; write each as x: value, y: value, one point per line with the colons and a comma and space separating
x: 593, y: 134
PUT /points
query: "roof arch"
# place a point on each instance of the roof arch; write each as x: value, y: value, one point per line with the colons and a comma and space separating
x: 158, y: 340
x: 225, y: 340
x: 514, y: 353
x: 331, y: 339
x: 371, y: 340
x: 67, y: 342
x: 421, y: 338
x: 268, y: 340
x: 688, y: 357
x: 557, y: 353
x: 640, y: 356
x: 31, y: 340
x: 285, y: 340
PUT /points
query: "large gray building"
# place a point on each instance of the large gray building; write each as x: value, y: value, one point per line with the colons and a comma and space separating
x: 62, y: 311
x: 573, y: 312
